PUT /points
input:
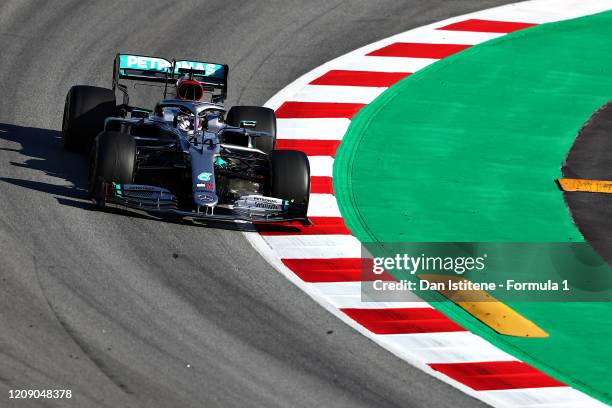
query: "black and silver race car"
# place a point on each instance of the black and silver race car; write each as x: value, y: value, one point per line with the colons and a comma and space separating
x: 187, y: 157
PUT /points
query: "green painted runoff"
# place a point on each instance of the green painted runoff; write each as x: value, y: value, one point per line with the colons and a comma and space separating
x: 467, y: 150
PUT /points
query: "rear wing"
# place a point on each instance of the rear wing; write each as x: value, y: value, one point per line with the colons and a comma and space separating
x: 154, y: 69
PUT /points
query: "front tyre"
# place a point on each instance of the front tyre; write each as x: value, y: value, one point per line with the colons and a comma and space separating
x: 290, y: 178
x: 112, y: 160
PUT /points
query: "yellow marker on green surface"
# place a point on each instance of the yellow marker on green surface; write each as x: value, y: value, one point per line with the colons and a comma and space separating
x: 585, y: 185
x: 487, y: 309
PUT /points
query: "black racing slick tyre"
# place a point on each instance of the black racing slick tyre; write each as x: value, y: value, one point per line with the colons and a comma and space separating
x: 112, y: 159
x: 265, y: 121
x: 290, y: 177
x: 85, y: 111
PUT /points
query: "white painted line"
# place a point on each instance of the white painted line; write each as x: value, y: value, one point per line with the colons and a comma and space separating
x: 323, y: 205
x: 545, y: 11
x: 312, y: 129
x: 549, y: 397
x: 430, y: 36
x: 384, y: 64
x: 337, y: 94
x: 451, y: 347
x: 321, y: 166
x: 347, y: 295
x: 314, y: 246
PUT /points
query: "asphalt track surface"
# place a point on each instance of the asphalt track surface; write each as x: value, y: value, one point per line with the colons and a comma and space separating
x: 589, y: 158
x: 133, y: 312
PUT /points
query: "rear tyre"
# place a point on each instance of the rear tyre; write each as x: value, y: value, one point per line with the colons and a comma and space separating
x: 290, y: 178
x: 112, y: 159
x: 85, y: 111
x: 265, y: 122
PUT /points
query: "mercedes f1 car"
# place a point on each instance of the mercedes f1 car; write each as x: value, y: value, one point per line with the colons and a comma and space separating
x: 187, y: 156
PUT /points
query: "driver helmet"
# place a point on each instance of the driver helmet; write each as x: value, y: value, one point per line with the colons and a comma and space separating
x: 189, y: 89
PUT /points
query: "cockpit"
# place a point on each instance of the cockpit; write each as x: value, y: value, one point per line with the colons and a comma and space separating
x: 184, y: 119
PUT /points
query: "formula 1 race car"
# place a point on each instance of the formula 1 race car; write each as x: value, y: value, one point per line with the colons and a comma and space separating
x: 188, y: 156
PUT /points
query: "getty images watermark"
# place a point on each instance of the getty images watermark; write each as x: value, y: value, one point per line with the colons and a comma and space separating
x: 508, y: 271
x: 419, y: 264
x: 414, y: 264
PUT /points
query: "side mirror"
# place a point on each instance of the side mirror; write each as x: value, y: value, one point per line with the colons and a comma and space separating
x: 248, y: 123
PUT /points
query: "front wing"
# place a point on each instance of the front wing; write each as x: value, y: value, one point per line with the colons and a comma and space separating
x: 160, y: 202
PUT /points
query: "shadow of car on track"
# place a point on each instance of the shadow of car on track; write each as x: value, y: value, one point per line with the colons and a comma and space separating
x: 44, y: 152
